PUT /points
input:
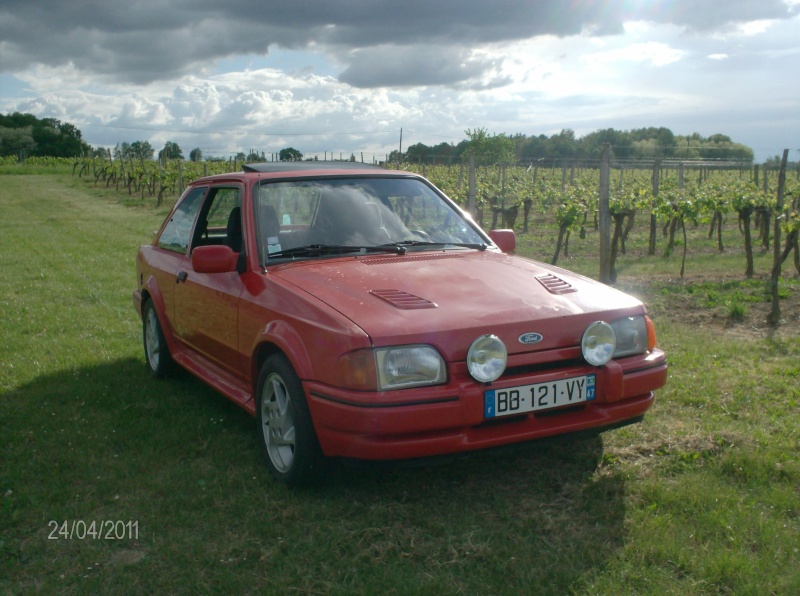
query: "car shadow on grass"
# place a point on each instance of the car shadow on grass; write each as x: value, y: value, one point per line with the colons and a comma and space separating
x: 110, y: 442
x: 538, y: 514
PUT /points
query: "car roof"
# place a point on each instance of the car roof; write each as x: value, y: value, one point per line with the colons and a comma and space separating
x: 302, y: 166
x: 301, y: 169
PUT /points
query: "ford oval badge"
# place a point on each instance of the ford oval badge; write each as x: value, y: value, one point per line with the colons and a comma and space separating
x: 530, y: 338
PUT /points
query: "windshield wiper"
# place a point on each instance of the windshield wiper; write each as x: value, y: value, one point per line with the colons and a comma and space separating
x: 313, y: 250
x: 477, y: 246
x: 481, y: 246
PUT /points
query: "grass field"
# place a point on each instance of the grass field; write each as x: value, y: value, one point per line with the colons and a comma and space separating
x: 111, y: 482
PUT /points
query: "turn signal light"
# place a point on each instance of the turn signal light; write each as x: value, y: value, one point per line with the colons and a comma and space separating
x: 651, y: 333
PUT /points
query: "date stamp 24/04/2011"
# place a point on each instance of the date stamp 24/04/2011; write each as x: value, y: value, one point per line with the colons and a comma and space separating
x: 78, y: 529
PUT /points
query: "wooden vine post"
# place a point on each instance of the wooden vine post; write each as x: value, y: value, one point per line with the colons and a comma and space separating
x: 604, y: 215
x: 682, y: 220
x: 651, y: 249
x: 472, y: 189
x: 775, y: 314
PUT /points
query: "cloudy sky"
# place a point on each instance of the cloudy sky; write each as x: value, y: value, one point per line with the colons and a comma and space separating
x: 348, y: 75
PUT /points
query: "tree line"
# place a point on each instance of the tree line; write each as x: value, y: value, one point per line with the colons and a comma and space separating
x: 643, y: 143
x: 26, y: 135
x: 143, y: 150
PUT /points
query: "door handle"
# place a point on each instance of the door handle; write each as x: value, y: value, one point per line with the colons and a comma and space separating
x: 181, y: 277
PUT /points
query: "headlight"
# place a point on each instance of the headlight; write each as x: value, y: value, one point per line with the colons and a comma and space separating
x: 631, y: 335
x: 409, y: 366
x: 598, y: 343
x: 486, y: 359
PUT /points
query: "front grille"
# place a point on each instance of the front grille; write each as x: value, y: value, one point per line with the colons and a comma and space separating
x: 530, y: 369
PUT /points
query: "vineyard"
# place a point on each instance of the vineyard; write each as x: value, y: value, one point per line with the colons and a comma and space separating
x: 666, y: 197
x: 700, y: 498
x: 669, y: 197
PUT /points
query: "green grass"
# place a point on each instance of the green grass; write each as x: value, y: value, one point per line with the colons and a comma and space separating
x: 700, y: 498
x: 28, y: 169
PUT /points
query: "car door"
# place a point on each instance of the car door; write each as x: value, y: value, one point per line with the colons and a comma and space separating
x: 170, y: 253
x: 207, y: 304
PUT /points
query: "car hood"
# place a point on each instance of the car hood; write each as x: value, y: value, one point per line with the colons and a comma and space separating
x: 447, y: 299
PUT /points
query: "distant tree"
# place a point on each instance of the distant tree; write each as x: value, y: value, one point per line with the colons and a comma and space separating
x: 240, y: 156
x: 18, y: 120
x: 14, y: 141
x: 290, y: 154
x: 646, y: 149
x: 58, y: 139
x: 687, y: 147
x: 171, y: 150
x: 48, y: 137
x: 122, y: 150
x: 196, y: 154
x: 719, y: 138
x: 141, y: 150
x: 621, y: 143
x: 418, y: 153
x: 490, y: 149
x: 396, y: 157
x: 534, y: 149
x: 563, y: 144
x: 443, y: 153
x: 51, y: 137
x: 666, y: 141
x: 717, y: 146
x: 69, y: 130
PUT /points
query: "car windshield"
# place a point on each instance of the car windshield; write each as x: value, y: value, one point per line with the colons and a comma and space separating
x: 309, y: 218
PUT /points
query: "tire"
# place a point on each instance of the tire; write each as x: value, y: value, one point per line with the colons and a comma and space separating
x: 156, y: 352
x: 285, y: 429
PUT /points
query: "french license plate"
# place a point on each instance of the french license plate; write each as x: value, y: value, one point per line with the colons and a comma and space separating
x: 539, y: 396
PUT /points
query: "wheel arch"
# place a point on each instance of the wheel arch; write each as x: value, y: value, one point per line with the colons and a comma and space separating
x: 263, y: 351
x: 279, y: 337
x: 151, y: 293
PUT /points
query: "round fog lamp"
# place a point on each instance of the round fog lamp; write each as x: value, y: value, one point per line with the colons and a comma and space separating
x: 598, y: 343
x: 486, y: 359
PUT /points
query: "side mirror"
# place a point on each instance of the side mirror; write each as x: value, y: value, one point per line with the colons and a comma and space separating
x: 214, y: 259
x: 506, y: 240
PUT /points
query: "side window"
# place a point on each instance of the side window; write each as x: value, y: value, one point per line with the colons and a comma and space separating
x: 223, y: 201
x: 221, y: 219
x: 178, y: 230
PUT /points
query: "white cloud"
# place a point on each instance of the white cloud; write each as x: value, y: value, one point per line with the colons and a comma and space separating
x: 655, y: 53
x: 206, y: 78
x: 754, y: 27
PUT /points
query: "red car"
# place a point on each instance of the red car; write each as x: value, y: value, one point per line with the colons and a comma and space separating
x: 358, y: 312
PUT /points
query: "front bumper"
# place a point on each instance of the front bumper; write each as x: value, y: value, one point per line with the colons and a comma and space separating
x: 450, y: 418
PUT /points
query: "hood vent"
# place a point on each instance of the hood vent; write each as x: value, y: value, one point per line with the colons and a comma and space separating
x: 555, y: 285
x: 403, y: 300
x: 409, y: 259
